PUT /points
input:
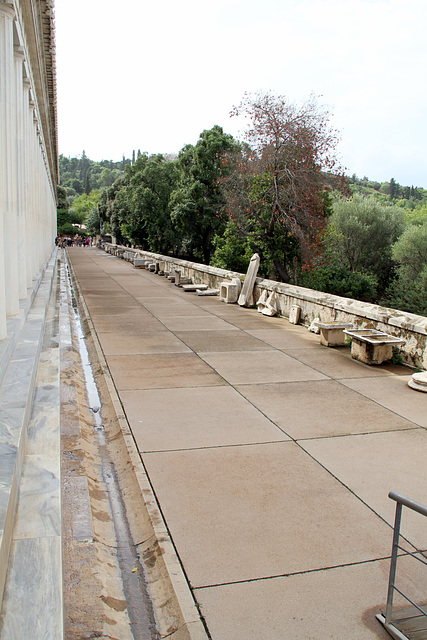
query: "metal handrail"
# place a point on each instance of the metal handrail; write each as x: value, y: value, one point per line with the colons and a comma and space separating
x: 401, y: 501
x: 411, y: 504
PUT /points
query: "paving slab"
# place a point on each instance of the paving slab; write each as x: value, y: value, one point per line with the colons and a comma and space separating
x: 394, y: 394
x: 173, y: 308
x: 222, y: 340
x: 286, y: 338
x: 251, y: 319
x: 141, y: 323
x: 168, y: 419
x: 374, y: 464
x: 162, y: 371
x: 259, y: 366
x: 247, y: 512
x: 338, y: 363
x: 197, y: 323
x: 339, y: 604
x: 303, y: 409
x: 143, y: 342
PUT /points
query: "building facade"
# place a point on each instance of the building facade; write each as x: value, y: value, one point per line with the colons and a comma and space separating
x: 28, y: 148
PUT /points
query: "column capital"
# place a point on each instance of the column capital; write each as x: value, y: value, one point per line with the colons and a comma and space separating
x: 6, y: 8
x: 18, y: 52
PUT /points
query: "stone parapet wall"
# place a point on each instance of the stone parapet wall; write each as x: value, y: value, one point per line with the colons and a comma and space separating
x: 316, y: 304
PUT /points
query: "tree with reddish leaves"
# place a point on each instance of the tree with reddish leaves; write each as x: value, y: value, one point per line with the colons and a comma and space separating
x: 278, y: 194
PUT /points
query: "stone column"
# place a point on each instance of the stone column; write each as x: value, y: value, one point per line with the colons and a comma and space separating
x: 20, y: 173
x: 9, y: 302
x: 28, y: 132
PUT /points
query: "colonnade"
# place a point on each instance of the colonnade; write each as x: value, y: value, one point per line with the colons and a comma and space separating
x: 27, y: 186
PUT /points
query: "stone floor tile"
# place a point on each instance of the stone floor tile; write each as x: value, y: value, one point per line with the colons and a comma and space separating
x: 259, y: 366
x: 285, y: 338
x: 141, y: 343
x: 394, y: 393
x: 339, y: 604
x: 254, y: 320
x: 205, y: 322
x: 166, y: 312
x: 142, y: 323
x: 372, y: 465
x: 129, y: 309
x: 162, y: 371
x: 167, y: 419
x: 246, y: 512
x: 337, y: 363
x: 304, y: 409
x: 222, y: 340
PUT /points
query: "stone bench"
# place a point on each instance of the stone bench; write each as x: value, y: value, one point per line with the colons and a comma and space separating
x: 371, y: 346
x: 332, y: 333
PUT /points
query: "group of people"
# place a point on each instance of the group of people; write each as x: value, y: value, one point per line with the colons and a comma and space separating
x: 78, y: 241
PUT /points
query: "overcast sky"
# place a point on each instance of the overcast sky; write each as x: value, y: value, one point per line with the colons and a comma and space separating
x: 152, y: 75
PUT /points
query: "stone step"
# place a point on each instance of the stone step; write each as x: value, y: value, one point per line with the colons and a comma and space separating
x: 17, y: 393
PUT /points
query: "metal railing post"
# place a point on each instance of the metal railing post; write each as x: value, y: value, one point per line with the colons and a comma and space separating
x: 393, y: 563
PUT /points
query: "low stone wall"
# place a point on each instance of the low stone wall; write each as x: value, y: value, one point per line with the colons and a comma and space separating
x: 315, y: 304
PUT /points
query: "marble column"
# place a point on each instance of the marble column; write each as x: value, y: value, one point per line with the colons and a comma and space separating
x: 9, y: 302
x: 19, y: 172
x: 28, y: 132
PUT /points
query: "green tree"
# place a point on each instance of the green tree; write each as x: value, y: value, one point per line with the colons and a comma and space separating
x: 409, y: 291
x: 61, y: 197
x: 231, y: 250
x: 82, y: 205
x: 360, y: 236
x: 278, y: 192
x: 143, y: 203
x: 198, y: 201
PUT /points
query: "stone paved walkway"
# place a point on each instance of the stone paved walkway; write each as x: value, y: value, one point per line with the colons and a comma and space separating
x: 271, y: 456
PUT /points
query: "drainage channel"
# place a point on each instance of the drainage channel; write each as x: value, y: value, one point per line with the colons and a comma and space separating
x: 139, y: 606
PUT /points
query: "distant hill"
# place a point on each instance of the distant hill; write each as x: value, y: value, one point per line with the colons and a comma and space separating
x: 403, y: 196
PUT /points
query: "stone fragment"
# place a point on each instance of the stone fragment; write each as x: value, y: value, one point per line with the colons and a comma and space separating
x: 246, y: 295
x: 262, y: 300
x: 229, y: 291
x: 194, y: 287
x: 314, y: 327
x: 371, y: 346
x: 294, y: 314
x: 207, y: 292
x: 332, y: 333
x: 418, y: 381
x: 270, y: 308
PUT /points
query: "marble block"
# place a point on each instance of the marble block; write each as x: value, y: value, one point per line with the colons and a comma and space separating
x: 195, y: 287
x: 229, y: 291
x: 294, y: 314
x: 332, y: 333
x: 371, y: 346
x: 246, y: 296
x: 207, y: 292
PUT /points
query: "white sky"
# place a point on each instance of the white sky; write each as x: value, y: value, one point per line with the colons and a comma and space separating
x: 152, y: 75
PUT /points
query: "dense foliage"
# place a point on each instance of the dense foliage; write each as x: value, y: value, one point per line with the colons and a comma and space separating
x: 279, y: 193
